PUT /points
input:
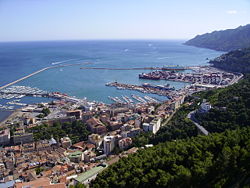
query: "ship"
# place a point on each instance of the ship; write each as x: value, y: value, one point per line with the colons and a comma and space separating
x: 146, y: 76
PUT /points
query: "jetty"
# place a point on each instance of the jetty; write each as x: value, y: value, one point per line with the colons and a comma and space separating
x: 39, y: 71
x: 145, y: 88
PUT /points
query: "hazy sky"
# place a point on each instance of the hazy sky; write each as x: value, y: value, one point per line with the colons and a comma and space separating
x: 23, y: 20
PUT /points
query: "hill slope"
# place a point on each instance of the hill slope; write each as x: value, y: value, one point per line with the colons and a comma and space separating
x: 225, y: 40
x: 204, y: 161
x: 236, y: 61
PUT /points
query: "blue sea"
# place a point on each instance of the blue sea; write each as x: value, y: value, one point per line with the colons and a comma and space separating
x: 18, y: 59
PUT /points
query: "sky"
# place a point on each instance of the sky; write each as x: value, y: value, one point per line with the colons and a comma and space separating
x: 34, y: 20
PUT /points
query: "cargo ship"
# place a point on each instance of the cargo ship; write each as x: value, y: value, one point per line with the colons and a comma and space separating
x: 147, y: 76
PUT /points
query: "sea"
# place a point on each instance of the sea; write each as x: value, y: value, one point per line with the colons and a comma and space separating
x: 18, y: 59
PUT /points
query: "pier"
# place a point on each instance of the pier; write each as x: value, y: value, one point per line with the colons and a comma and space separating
x: 145, y: 88
x: 39, y: 71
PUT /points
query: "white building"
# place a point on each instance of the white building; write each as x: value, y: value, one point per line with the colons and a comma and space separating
x: 205, y: 107
x: 108, y: 144
x: 4, y: 136
x: 153, y: 126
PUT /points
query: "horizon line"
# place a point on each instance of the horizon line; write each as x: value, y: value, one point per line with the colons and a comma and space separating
x: 99, y: 39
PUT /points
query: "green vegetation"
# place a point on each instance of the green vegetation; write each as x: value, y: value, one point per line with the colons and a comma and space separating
x: 77, y: 131
x: 142, y: 139
x: 39, y: 170
x: 236, y: 61
x: 183, y: 159
x: 44, y: 113
x: 227, y: 40
x: 231, y: 107
x: 78, y: 185
x: 178, y: 127
x: 220, y: 159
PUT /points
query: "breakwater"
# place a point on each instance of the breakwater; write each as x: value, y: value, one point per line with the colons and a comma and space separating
x: 39, y: 71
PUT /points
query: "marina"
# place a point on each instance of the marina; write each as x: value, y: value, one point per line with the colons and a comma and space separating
x: 137, y: 99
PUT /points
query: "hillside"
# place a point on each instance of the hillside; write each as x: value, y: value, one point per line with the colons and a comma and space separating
x: 218, y: 160
x: 225, y: 40
x: 231, y: 107
x: 236, y: 61
x: 204, y: 161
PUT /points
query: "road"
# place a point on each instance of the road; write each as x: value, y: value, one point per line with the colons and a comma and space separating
x: 193, y: 119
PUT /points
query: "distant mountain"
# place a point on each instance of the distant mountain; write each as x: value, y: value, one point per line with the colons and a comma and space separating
x: 236, y: 61
x: 225, y: 40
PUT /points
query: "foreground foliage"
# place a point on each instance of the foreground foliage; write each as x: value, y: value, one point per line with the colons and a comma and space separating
x: 220, y: 159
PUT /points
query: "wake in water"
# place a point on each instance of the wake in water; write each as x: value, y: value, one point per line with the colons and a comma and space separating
x: 60, y: 62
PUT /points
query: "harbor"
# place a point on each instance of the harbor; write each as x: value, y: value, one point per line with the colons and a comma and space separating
x: 203, y: 76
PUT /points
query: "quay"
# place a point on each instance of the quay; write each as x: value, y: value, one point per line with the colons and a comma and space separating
x: 39, y: 71
x: 145, y: 88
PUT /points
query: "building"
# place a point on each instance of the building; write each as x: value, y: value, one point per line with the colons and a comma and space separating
x: 153, y: 126
x: 76, y: 113
x: 125, y: 143
x: 20, y: 137
x: 134, y: 132
x: 205, y: 107
x: 89, y: 175
x: 66, y: 142
x: 95, y: 139
x: 5, y: 137
x: 86, y: 116
x: 114, y: 125
x: 61, y: 120
x: 96, y: 126
x: 88, y: 155
x: 76, y: 156
x: 115, y: 111
x: 108, y: 144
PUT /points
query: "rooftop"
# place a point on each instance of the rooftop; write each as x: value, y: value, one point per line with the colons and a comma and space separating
x: 86, y: 175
